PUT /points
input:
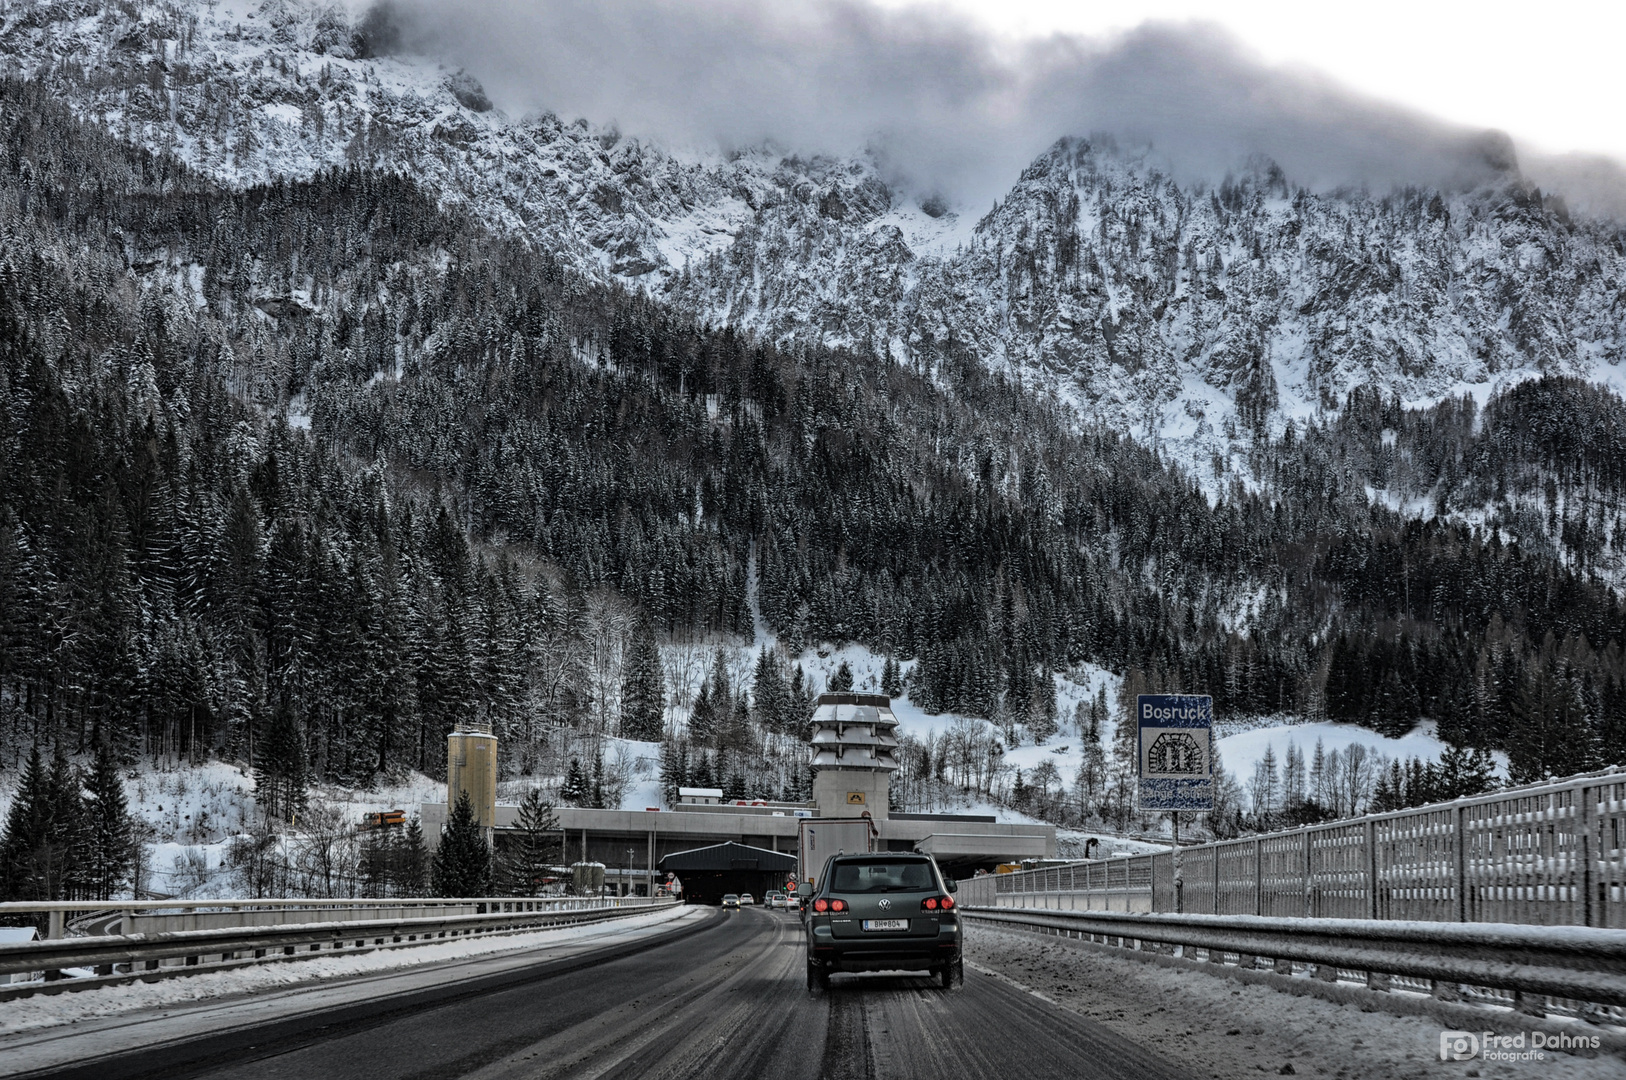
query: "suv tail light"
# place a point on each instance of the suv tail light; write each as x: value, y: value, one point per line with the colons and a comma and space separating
x: 938, y: 903
x: 838, y: 905
x: 821, y: 904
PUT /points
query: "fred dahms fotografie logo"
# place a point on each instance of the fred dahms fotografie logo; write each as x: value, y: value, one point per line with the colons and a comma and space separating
x: 1525, y: 1046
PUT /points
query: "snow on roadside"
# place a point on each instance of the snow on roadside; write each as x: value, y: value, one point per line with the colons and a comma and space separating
x: 42, y: 1011
x: 1208, y: 1025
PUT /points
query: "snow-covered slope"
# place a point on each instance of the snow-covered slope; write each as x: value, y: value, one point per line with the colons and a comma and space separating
x: 1195, y: 315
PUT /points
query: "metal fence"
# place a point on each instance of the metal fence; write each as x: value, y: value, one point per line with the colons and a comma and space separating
x: 1544, y: 855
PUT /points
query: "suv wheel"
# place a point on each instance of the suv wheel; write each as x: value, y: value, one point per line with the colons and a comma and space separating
x: 817, y: 979
x: 953, y: 974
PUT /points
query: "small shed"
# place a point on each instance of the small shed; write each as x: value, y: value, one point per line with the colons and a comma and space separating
x: 709, y: 872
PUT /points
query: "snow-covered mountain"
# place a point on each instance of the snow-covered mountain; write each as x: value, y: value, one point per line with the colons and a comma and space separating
x: 1194, y: 314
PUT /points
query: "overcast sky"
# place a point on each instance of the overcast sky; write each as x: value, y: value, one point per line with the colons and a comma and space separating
x: 1552, y: 74
x: 957, y: 96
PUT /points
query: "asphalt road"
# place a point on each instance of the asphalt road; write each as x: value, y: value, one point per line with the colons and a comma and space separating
x: 723, y: 998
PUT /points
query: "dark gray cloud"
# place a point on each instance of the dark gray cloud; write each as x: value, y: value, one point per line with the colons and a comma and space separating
x: 948, y: 106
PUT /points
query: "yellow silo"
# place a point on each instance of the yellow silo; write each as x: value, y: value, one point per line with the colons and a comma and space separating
x: 471, y: 766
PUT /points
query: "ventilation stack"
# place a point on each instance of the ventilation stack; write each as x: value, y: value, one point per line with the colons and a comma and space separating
x: 855, y: 746
x: 471, y: 766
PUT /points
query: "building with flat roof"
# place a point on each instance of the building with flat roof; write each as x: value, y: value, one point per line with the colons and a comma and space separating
x: 852, y: 748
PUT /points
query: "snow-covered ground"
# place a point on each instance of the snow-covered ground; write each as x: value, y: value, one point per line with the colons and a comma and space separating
x: 1242, y: 752
x: 191, y: 814
x: 1209, y: 1025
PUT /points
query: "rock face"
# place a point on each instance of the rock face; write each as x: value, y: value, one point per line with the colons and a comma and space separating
x: 1198, y: 315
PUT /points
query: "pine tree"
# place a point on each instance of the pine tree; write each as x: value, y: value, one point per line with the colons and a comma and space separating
x: 771, y: 702
x: 596, y: 792
x: 24, y: 847
x: 891, y: 679
x: 1042, y: 708
x: 842, y: 681
x: 412, y: 868
x: 703, y: 776
x: 674, y: 768
x: 462, y: 864
x: 526, y: 858
x: 111, y: 847
x: 643, y: 686
x: 282, y: 771
x: 801, y: 697
x: 703, y: 717
x: 722, y: 695
x: 66, y: 864
x: 575, y: 790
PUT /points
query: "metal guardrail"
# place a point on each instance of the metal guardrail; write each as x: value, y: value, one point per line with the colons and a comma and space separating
x: 148, y: 952
x: 60, y: 913
x: 1544, y: 855
x: 1576, y: 965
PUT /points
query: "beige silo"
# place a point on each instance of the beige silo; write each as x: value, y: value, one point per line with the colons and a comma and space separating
x: 471, y: 766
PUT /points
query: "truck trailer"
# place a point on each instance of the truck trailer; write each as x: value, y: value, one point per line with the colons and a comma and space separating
x: 820, y: 838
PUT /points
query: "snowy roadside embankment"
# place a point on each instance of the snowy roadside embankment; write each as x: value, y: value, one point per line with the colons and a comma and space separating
x: 1213, y: 1026
x: 66, y: 1008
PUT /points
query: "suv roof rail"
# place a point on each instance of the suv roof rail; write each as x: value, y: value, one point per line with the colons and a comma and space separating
x: 878, y: 700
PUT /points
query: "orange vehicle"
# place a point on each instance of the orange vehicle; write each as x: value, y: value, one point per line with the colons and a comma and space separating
x: 384, y: 819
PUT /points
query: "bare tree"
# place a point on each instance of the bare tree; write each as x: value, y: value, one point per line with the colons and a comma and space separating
x: 1361, y: 768
x: 606, y: 622
x: 1264, y: 787
x: 326, y: 854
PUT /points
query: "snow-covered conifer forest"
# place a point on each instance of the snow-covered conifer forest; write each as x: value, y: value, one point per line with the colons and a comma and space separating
x: 337, y: 408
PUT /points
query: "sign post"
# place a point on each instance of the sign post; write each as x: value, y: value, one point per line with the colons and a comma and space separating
x: 1175, y: 753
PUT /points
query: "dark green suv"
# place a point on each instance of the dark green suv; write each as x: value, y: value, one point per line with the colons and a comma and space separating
x: 881, y: 912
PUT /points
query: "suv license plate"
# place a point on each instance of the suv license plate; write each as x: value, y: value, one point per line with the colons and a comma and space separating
x: 886, y: 924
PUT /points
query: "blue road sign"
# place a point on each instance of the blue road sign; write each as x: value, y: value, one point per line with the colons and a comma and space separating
x: 1175, y: 751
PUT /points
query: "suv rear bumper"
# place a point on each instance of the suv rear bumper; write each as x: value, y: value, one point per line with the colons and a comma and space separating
x: 884, y: 956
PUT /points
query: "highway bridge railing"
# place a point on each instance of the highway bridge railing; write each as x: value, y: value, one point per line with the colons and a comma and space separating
x: 1550, y: 854
x: 1579, y: 971
x: 63, y: 918
x: 411, y: 922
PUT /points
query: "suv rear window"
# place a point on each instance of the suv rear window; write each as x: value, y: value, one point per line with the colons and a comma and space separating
x: 872, y: 877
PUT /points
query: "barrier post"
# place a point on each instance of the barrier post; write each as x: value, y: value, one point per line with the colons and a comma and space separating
x: 1460, y: 820
x: 1258, y: 877
x: 1309, y: 904
x: 1586, y: 811
x: 1371, y: 869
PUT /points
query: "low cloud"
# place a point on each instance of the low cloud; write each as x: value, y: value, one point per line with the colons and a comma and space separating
x: 945, y: 104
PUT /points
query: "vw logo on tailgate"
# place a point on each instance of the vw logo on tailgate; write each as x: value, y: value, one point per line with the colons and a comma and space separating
x: 885, y: 904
